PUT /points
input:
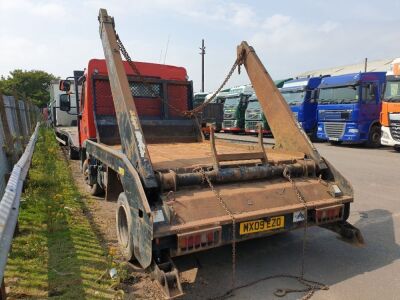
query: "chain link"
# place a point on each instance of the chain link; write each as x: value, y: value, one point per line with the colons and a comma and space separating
x: 310, y: 286
x: 186, y: 113
x: 231, y: 215
x: 286, y: 174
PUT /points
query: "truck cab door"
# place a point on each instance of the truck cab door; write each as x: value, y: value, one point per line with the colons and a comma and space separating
x: 83, y: 116
x: 310, y: 110
x: 370, y: 105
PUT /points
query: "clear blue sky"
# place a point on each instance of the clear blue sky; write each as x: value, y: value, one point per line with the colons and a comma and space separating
x: 289, y: 36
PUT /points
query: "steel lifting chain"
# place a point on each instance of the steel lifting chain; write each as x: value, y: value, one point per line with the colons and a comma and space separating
x: 231, y: 215
x: 149, y: 86
x: 310, y: 286
x: 187, y: 113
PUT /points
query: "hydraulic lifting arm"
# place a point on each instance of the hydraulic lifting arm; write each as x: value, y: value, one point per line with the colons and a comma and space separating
x: 130, y: 130
x: 287, y: 132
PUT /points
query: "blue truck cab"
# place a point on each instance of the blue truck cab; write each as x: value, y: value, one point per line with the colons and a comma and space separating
x: 300, y: 94
x: 349, y: 106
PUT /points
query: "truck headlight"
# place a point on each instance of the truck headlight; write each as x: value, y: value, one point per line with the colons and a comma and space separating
x: 385, y: 135
x: 353, y: 130
x: 394, y: 116
x: 319, y: 128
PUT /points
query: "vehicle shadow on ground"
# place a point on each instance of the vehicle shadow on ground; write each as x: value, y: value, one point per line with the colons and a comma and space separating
x: 328, y: 260
x: 362, y: 147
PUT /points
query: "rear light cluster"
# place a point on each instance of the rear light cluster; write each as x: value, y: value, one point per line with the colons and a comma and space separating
x: 198, y: 240
x: 329, y: 214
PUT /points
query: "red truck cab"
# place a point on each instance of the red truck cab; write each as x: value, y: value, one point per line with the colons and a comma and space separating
x: 97, y: 114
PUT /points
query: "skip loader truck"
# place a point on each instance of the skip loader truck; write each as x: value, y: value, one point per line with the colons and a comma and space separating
x: 178, y: 193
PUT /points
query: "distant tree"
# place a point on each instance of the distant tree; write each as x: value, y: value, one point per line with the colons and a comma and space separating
x: 32, y: 84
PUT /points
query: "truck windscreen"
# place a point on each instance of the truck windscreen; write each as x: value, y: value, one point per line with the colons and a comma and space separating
x: 253, y: 104
x: 293, y: 97
x: 338, y: 95
x: 198, y: 99
x: 392, y: 91
x: 232, y: 102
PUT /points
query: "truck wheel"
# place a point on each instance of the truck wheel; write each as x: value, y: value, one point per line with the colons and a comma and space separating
x: 397, y: 148
x: 95, y: 189
x: 374, y: 137
x: 124, y: 227
x: 72, y: 153
x: 313, y: 135
x: 3, y: 294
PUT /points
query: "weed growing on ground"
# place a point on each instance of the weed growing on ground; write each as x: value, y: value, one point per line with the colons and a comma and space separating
x: 56, y: 253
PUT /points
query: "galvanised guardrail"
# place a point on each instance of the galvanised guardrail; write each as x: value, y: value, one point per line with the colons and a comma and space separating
x: 19, y: 123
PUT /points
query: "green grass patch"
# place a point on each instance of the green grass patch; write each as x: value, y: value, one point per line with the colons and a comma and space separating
x: 57, y: 253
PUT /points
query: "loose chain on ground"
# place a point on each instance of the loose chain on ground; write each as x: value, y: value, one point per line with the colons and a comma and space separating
x: 310, y: 286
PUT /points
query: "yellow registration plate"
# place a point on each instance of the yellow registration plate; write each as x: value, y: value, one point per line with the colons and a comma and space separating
x: 262, y: 225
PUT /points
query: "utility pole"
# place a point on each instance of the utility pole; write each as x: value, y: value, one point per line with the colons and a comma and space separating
x: 365, y: 64
x: 202, y: 53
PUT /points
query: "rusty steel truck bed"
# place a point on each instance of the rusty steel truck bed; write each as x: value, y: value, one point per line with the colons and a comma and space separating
x: 196, y: 206
x: 177, y: 193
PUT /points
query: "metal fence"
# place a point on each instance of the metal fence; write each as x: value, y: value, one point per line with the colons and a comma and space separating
x: 19, y: 123
x: 18, y: 119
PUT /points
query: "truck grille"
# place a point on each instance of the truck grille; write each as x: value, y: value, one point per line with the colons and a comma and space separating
x: 228, y: 115
x: 253, y: 116
x: 252, y: 125
x: 395, y: 132
x: 228, y: 123
x: 334, y: 129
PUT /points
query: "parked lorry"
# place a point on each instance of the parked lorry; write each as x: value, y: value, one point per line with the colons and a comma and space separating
x: 390, y: 114
x: 254, y: 115
x: 235, y: 108
x: 211, y: 114
x: 65, y: 122
x: 157, y: 164
x: 59, y: 117
x: 349, y: 107
x: 300, y: 94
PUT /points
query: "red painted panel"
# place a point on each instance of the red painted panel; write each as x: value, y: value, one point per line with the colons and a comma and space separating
x: 178, y: 98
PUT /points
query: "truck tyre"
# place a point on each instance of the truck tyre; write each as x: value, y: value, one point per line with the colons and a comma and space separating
x: 397, y: 148
x: 313, y: 135
x: 72, y: 153
x: 124, y: 227
x: 95, y: 189
x: 3, y: 295
x: 374, y: 137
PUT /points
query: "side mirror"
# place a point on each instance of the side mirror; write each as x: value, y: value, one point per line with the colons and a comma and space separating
x: 64, y: 85
x: 65, y: 102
